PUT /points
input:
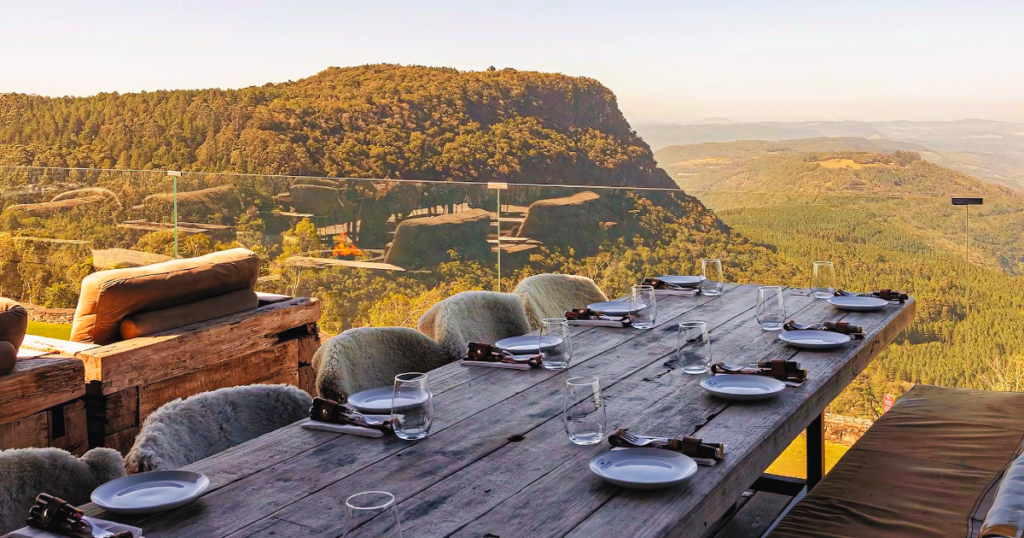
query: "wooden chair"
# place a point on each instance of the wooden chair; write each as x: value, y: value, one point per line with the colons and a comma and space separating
x: 549, y: 296
x: 474, y: 316
x: 185, y: 431
x: 27, y: 472
x: 370, y: 357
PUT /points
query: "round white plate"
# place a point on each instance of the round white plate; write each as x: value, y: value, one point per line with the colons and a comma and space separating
x: 378, y: 401
x: 617, y: 308
x: 742, y: 386
x: 858, y: 304
x: 643, y: 468
x: 528, y: 344
x: 145, y: 493
x: 810, y: 339
x: 683, y: 281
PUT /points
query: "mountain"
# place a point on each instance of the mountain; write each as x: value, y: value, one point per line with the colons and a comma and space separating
x: 990, y: 150
x: 385, y: 121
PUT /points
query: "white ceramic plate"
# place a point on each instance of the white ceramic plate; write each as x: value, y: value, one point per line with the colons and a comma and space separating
x: 145, y: 493
x: 378, y: 401
x: 528, y: 344
x: 742, y: 386
x: 858, y: 304
x: 811, y: 339
x: 617, y: 308
x: 683, y: 281
x: 643, y: 468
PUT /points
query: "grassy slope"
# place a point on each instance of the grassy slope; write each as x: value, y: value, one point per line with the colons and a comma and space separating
x: 793, y: 462
x: 50, y: 330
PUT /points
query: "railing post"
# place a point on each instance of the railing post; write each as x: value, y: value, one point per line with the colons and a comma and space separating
x: 967, y: 273
x: 174, y: 181
x: 498, y: 187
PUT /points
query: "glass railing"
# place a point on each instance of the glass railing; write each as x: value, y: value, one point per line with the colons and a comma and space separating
x: 381, y: 252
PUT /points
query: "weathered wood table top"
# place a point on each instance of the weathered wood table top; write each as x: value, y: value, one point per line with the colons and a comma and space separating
x: 498, y: 462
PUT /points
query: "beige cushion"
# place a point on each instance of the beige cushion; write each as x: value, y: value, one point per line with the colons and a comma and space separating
x: 13, y: 322
x: 187, y: 314
x: 110, y: 296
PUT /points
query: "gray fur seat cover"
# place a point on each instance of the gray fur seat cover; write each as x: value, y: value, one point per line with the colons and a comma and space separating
x: 549, y: 296
x: 474, y: 316
x: 371, y: 357
x: 185, y: 431
x: 27, y: 472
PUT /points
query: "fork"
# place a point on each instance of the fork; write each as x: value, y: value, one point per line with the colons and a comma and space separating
x: 637, y: 441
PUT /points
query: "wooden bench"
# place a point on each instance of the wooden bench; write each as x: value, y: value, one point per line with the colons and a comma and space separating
x: 128, y: 380
x: 42, y: 404
x: 928, y: 467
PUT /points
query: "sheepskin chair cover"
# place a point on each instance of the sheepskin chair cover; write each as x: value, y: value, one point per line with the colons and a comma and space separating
x: 371, y: 357
x: 549, y: 296
x: 474, y: 316
x: 185, y: 431
x: 27, y: 472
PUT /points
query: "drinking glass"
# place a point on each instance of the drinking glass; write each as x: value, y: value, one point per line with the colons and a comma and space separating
x: 693, y: 347
x: 823, y: 284
x: 412, y: 406
x: 585, y: 418
x: 644, y: 295
x: 711, y: 270
x: 363, y: 507
x: 555, y: 344
x: 771, y: 310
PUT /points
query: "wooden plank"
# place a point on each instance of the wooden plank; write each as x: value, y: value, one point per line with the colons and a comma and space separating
x: 26, y: 432
x: 307, y: 348
x: 54, y: 346
x: 269, y: 365
x: 39, y: 384
x: 111, y: 413
x: 307, y: 380
x: 76, y: 438
x: 148, y: 359
x: 122, y: 441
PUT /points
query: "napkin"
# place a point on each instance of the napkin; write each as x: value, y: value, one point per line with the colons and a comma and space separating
x: 588, y: 317
x: 311, y: 424
x: 487, y: 355
x: 660, y: 285
x: 888, y: 295
x: 326, y: 411
x: 789, y: 372
x: 109, y: 526
x: 853, y: 331
x: 691, y: 446
x: 53, y: 516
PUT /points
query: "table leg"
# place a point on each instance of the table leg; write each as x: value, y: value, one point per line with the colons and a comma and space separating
x: 815, y: 451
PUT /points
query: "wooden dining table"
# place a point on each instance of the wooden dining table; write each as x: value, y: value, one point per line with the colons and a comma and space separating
x: 498, y: 461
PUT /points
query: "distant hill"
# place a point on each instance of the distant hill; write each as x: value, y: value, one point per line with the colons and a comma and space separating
x: 385, y: 121
x: 898, y: 186
x: 990, y: 150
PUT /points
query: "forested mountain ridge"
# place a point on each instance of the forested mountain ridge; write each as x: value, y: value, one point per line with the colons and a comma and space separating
x: 385, y: 121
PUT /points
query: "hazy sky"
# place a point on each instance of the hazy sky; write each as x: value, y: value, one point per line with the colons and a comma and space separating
x: 765, y: 60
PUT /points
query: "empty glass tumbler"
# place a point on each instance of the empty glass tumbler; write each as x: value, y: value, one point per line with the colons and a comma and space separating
x: 376, y: 509
x: 823, y: 281
x: 555, y: 343
x: 771, y: 309
x: 584, y: 417
x: 693, y: 347
x: 412, y: 406
x: 713, y: 279
x: 644, y: 296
